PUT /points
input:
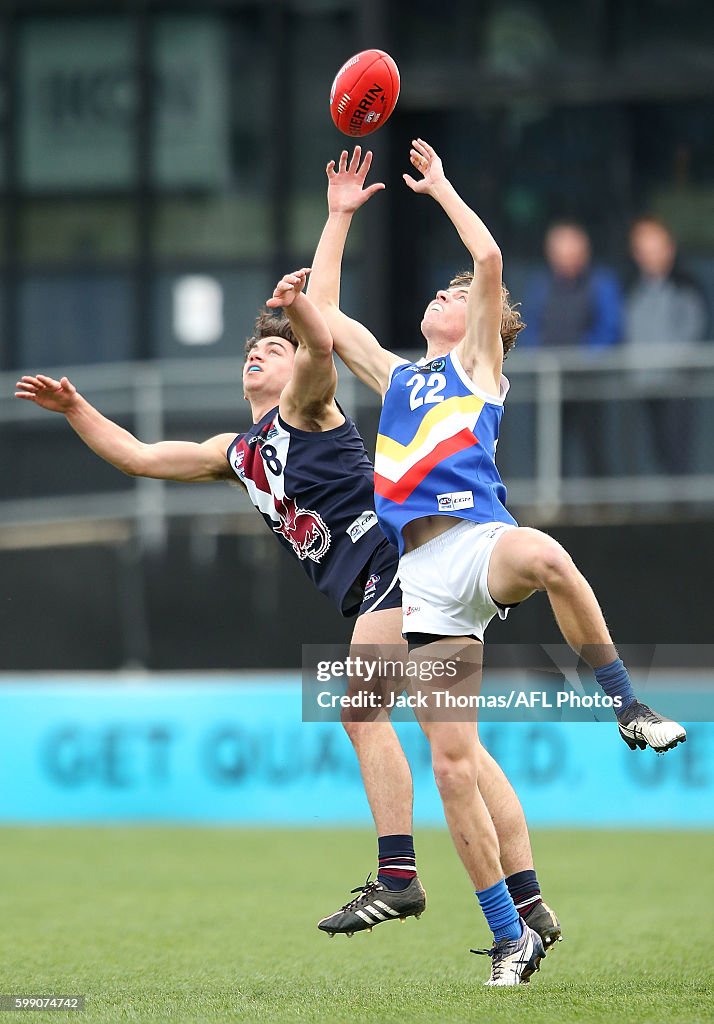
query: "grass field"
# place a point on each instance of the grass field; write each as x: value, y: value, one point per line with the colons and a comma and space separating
x: 219, y: 925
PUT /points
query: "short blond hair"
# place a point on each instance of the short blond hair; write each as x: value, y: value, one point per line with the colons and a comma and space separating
x: 511, y: 321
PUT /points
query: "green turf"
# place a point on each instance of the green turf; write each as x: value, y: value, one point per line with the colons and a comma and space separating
x: 219, y: 925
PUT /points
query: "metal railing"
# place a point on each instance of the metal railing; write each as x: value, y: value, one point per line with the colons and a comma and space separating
x: 150, y: 395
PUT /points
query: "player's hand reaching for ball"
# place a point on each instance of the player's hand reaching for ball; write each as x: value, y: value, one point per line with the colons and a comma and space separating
x: 345, y: 185
x: 425, y: 160
x: 51, y: 394
x: 288, y: 288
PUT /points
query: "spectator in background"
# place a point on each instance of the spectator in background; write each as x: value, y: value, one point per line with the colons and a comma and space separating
x: 571, y: 303
x: 663, y: 308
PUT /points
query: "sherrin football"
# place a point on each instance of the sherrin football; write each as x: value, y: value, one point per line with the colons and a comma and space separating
x: 364, y: 93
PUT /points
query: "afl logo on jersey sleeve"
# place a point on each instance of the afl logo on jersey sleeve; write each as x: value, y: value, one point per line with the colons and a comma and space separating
x: 306, y: 530
x: 362, y: 523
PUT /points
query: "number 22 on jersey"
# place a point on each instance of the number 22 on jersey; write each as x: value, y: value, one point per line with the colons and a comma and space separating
x: 434, y: 384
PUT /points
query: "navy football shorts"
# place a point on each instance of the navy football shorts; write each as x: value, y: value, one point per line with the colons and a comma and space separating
x: 381, y: 583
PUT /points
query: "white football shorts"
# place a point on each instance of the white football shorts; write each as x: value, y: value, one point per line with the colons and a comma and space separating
x: 445, y: 582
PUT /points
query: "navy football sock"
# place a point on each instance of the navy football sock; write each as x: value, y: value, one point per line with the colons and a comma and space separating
x: 501, y: 914
x: 615, y: 681
x: 397, y: 863
x: 525, y: 891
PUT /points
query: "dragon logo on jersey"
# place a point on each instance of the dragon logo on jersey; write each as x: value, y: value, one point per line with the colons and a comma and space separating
x: 306, y: 530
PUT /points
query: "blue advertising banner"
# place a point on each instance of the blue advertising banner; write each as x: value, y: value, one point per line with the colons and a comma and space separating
x: 236, y: 751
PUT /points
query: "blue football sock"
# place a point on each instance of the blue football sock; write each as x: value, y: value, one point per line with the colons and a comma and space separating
x: 614, y: 680
x: 500, y: 911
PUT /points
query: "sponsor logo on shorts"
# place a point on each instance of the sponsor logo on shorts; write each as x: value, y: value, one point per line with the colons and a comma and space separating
x: 412, y: 608
x: 370, y: 587
x: 455, y: 500
x: 365, y: 521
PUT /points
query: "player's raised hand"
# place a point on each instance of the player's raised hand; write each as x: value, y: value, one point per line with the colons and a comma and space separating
x: 425, y: 160
x: 288, y: 288
x: 345, y: 183
x: 55, y: 395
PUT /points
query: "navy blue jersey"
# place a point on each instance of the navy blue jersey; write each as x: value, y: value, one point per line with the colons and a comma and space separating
x: 315, y: 491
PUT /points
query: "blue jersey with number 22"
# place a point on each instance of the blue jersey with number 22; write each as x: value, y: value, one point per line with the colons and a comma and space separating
x: 436, y: 448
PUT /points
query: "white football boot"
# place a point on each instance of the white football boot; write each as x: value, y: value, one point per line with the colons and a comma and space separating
x: 642, y: 727
x: 513, y: 961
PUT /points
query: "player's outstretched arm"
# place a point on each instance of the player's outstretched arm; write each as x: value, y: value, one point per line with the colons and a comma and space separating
x: 167, y: 460
x: 354, y: 344
x: 308, y: 400
x: 481, y: 352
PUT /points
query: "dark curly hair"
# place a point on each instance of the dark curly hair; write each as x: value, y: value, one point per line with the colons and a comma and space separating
x: 511, y: 322
x: 270, y: 325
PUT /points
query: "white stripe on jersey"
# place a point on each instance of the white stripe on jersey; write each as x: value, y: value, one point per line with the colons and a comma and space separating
x: 263, y: 501
x: 394, y: 469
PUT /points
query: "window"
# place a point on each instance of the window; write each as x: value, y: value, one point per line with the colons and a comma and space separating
x: 84, y: 316
x: 190, y: 145
x: 78, y: 104
x: 243, y: 292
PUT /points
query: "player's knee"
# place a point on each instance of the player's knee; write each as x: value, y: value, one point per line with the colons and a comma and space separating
x: 455, y: 775
x: 552, y: 564
x: 355, y: 729
x: 362, y: 728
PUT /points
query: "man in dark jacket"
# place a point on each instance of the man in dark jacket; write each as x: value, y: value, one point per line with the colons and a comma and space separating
x: 664, y: 309
x: 573, y: 304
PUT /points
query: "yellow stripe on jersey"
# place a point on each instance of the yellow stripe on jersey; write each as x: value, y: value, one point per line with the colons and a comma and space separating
x: 457, y: 423
x: 466, y: 407
x: 393, y: 460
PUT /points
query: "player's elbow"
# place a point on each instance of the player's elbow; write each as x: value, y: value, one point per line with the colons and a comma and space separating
x: 318, y: 355
x: 321, y: 345
x: 491, y: 260
x: 129, y: 468
x: 135, y: 462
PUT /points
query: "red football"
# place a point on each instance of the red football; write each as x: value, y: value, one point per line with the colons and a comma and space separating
x: 364, y: 93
